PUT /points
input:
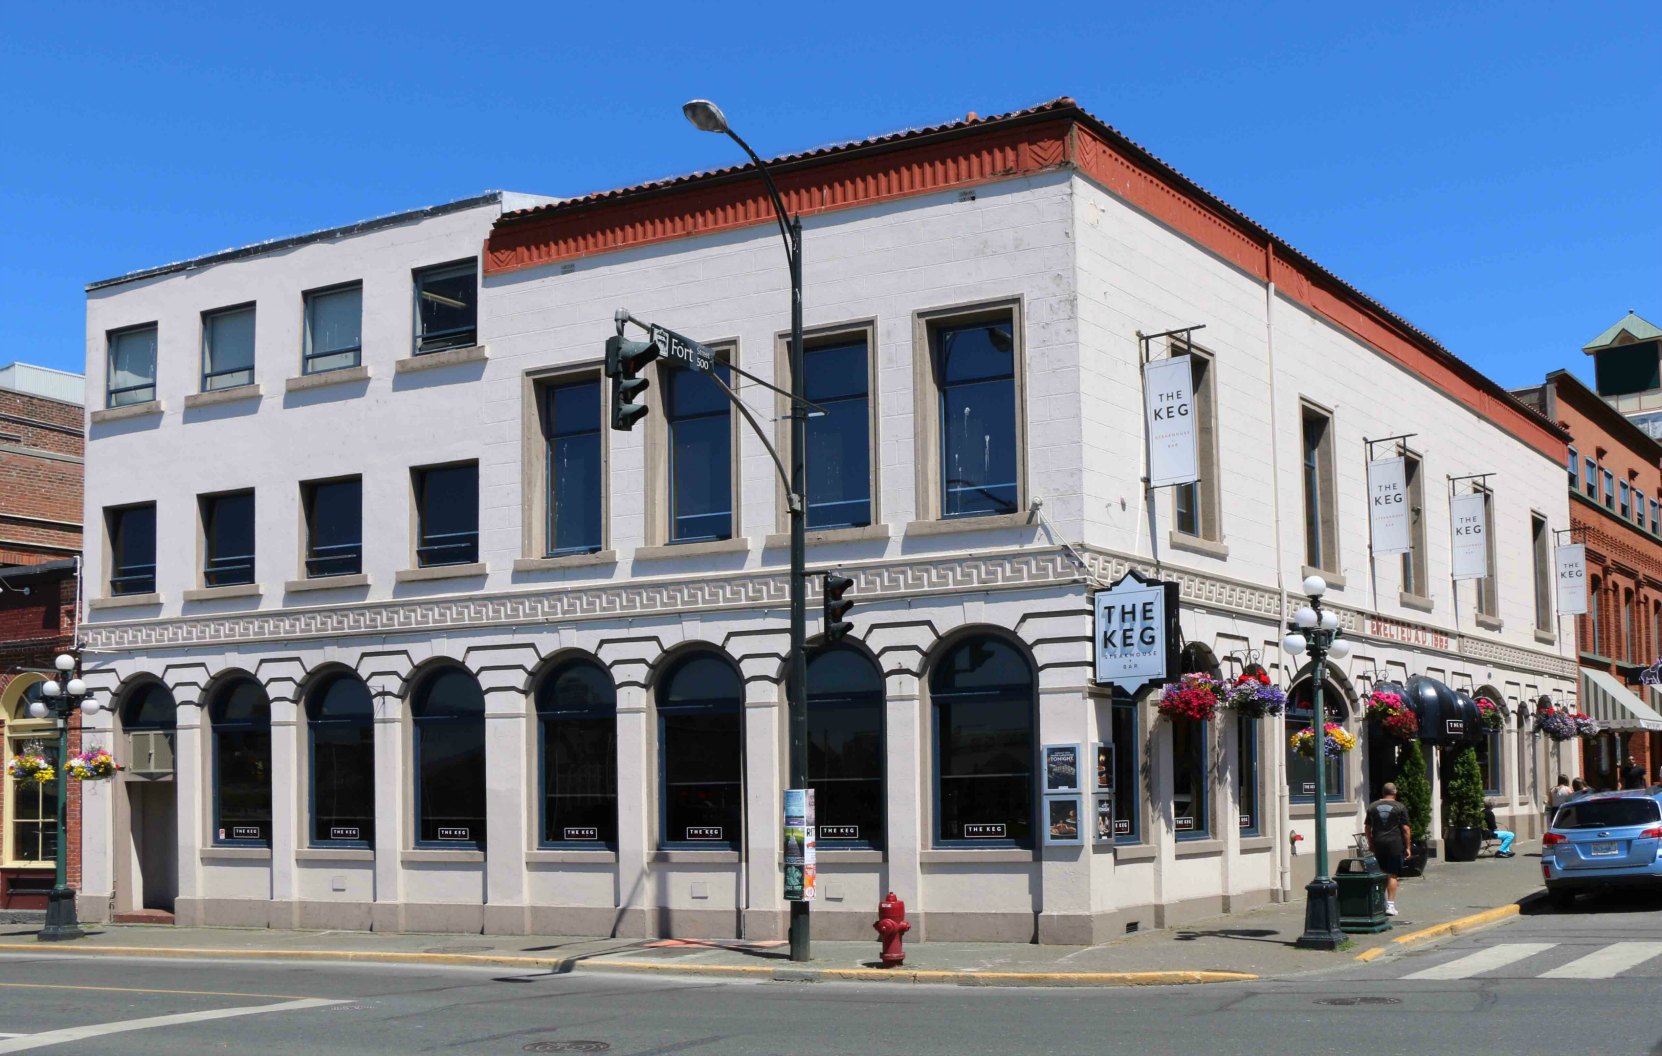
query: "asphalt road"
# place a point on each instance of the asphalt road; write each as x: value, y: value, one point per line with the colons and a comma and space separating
x: 1584, y: 981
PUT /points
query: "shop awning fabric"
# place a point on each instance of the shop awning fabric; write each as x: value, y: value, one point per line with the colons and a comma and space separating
x: 1615, y: 706
x: 1446, y: 717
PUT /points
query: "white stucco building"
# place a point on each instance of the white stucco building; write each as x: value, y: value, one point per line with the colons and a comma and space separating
x: 432, y: 648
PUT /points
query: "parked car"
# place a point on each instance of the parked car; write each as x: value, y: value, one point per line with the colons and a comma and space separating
x: 1603, y: 840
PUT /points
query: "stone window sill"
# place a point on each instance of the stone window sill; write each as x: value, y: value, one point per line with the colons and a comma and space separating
x: 124, y: 601
x: 1417, y: 602
x: 1257, y: 843
x: 249, y: 854
x: 131, y: 410
x: 552, y: 564
x: 1308, y: 810
x: 234, y: 394
x: 334, y: 854
x: 343, y: 376
x: 1194, y: 544
x: 1334, y: 580
x: 426, y: 575
x: 670, y: 551
x: 440, y: 857
x: 296, y: 586
x: 828, y: 536
x: 1489, y: 623
x: 851, y: 857
x: 450, y: 357
x: 694, y: 857
x: 553, y: 857
x: 1198, y: 848
x: 955, y: 525
x: 1134, y: 852
x: 235, y: 590
x: 1545, y: 637
x: 992, y: 855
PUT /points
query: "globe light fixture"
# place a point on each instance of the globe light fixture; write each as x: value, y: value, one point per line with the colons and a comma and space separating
x: 90, y: 707
x: 49, y: 690
x: 64, y: 662
x: 1315, y: 586
x: 1305, y: 617
x: 38, y: 709
x: 1339, y: 649
x: 1329, y: 621
x: 1294, y: 644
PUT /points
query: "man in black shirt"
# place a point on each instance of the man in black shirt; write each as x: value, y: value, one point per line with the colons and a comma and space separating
x: 1633, y: 775
x: 1389, y: 838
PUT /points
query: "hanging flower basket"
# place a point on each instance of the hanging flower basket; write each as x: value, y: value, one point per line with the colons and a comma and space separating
x: 1338, y: 741
x: 1585, y: 725
x: 1254, y: 697
x: 1490, y: 714
x: 31, y: 768
x: 1392, y: 714
x: 95, y: 765
x: 1559, y: 725
x: 1194, y: 697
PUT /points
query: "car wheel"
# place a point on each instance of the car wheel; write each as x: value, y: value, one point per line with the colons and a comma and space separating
x: 1561, y: 900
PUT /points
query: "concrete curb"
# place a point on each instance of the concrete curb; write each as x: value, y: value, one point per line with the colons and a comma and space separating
x: 1439, y: 931
x: 561, y: 965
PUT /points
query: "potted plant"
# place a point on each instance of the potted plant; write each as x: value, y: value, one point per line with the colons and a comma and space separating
x: 1463, y: 809
x: 32, y: 766
x: 1254, y: 696
x: 1336, y: 741
x: 1489, y: 713
x: 96, y: 764
x: 1557, y: 724
x: 1394, y: 719
x: 1194, y: 697
x: 1414, y: 793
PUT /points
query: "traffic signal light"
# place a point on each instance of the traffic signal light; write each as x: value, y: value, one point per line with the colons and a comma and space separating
x: 836, y: 606
x: 624, y: 360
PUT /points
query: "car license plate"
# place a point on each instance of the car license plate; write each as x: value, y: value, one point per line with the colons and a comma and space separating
x: 1602, y: 850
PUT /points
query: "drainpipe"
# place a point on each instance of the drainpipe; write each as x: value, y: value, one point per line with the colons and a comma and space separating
x: 1283, y: 802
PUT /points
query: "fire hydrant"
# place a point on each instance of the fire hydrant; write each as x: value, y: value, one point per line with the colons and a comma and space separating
x: 891, y: 925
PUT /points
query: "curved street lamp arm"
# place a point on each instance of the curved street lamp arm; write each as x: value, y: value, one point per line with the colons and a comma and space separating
x: 773, y: 193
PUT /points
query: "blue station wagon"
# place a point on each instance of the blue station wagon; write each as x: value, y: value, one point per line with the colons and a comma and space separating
x: 1603, y: 840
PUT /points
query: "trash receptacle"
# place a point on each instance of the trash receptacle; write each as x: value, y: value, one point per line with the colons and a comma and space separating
x: 1361, y: 896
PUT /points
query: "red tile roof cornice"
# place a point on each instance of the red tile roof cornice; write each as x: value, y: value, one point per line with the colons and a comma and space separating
x: 1054, y: 136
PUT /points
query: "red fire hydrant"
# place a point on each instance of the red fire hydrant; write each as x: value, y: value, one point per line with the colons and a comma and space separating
x: 891, y: 925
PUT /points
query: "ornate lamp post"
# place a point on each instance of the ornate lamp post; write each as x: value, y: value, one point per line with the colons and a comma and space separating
x: 63, y: 694
x: 1316, y: 631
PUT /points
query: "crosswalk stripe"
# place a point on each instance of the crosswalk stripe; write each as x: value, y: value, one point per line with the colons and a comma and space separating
x: 1486, y: 960
x: 1606, y: 962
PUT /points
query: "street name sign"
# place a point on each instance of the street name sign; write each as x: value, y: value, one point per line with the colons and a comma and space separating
x: 682, y: 350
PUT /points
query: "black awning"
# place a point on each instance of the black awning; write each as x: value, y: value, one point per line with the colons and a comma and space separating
x: 1446, y: 717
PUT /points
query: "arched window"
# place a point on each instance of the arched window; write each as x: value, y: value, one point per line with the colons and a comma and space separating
x: 1630, y: 628
x: 845, y: 747
x: 241, y: 719
x: 1490, y: 754
x: 577, y: 729
x: 448, y: 709
x: 981, y: 694
x: 31, y: 834
x: 1594, y: 600
x: 149, y: 707
x: 340, y: 724
x: 1191, y: 806
x: 1301, y: 772
x: 700, y: 753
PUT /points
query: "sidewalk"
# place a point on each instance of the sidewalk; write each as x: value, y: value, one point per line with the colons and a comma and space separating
x: 1254, y: 944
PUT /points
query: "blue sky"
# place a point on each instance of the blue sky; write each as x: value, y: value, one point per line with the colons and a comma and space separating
x: 1492, y: 173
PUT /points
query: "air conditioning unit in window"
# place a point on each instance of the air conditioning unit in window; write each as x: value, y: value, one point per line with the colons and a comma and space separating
x: 150, y: 753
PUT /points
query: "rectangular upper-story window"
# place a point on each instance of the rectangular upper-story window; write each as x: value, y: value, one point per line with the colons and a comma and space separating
x: 132, y: 366
x: 1609, y: 490
x: 576, y: 473
x: 1541, y: 558
x: 1488, y: 600
x: 1321, y: 528
x: 1574, y: 464
x: 1625, y: 505
x: 1197, y: 505
x: 334, y: 328
x: 837, y: 376
x: 447, y: 307
x: 1655, y: 509
x: 699, y: 420
x: 227, y: 538
x: 447, y: 514
x: 132, y: 539
x: 1590, y: 479
x: 334, y: 511
x: 974, y: 365
x: 228, y: 348
x: 1415, y: 576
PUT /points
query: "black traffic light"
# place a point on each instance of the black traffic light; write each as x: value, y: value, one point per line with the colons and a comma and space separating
x: 836, y: 606
x: 624, y: 360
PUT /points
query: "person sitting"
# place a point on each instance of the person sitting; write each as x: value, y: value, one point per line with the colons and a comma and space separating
x: 1493, y: 831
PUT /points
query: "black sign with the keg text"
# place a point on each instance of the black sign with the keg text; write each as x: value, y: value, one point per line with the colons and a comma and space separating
x: 580, y: 832
x: 345, y: 832
x: 985, y: 830
x: 455, y: 832
x: 839, y: 832
x: 703, y: 832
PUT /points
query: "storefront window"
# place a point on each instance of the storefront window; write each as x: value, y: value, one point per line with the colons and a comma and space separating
x: 449, y: 713
x: 1489, y: 761
x: 700, y: 753
x: 982, y: 696
x: 1301, y: 772
x: 577, y: 727
x: 340, y: 717
x: 1246, y: 787
x: 845, y: 747
x: 32, y: 808
x: 1189, y: 779
x: 1127, y: 761
x: 241, y: 720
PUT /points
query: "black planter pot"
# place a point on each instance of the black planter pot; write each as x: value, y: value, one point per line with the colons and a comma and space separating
x: 1414, y: 864
x: 1462, y: 845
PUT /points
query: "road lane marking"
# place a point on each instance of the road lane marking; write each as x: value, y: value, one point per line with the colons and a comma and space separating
x: 1482, y: 961
x: 96, y: 1030
x: 142, y: 990
x: 1605, y: 963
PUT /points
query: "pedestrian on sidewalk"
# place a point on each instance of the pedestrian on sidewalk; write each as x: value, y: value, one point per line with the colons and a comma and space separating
x: 1389, y: 837
x: 1578, y: 787
x: 1633, y: 775
x: 1492, y: 830
x: 1559, y: 795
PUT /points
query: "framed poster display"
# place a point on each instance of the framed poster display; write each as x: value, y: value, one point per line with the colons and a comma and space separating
x: 1104, y: 766
x: 1062, y: 768
x: 1102, y: 817
x: 1062, y: 822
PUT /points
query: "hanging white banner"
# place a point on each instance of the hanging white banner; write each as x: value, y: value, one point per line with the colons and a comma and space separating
x: 1571, y: 563
x: 1469, y: 522
x: 1388, y: 510
x: 1169, y: 402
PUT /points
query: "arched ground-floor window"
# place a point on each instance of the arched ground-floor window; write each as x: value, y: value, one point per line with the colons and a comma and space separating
x: 845, y: 747
x: 701, y: 753
x: 448, y: 710
x: 982, y: 699
x: 577, y: 726
x: 240, y: 717
x: 340, y: 725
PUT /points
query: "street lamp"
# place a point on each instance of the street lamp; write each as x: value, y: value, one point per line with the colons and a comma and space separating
x: 1317, y: 631
x: 707, y: 117
x: 63, y: 695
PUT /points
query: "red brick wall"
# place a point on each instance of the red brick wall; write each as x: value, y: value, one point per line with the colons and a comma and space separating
x: 40, y: 497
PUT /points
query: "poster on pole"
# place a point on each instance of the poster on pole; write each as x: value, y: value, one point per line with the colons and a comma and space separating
x: 1469, y: 521
x: 1169, y: 399
x: 799, y: 845
x: 1389, y: 512
x: 1571, y: 563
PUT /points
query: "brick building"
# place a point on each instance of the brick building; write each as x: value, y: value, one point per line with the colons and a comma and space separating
x: 1615, y: 486
x: 41, y: 446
